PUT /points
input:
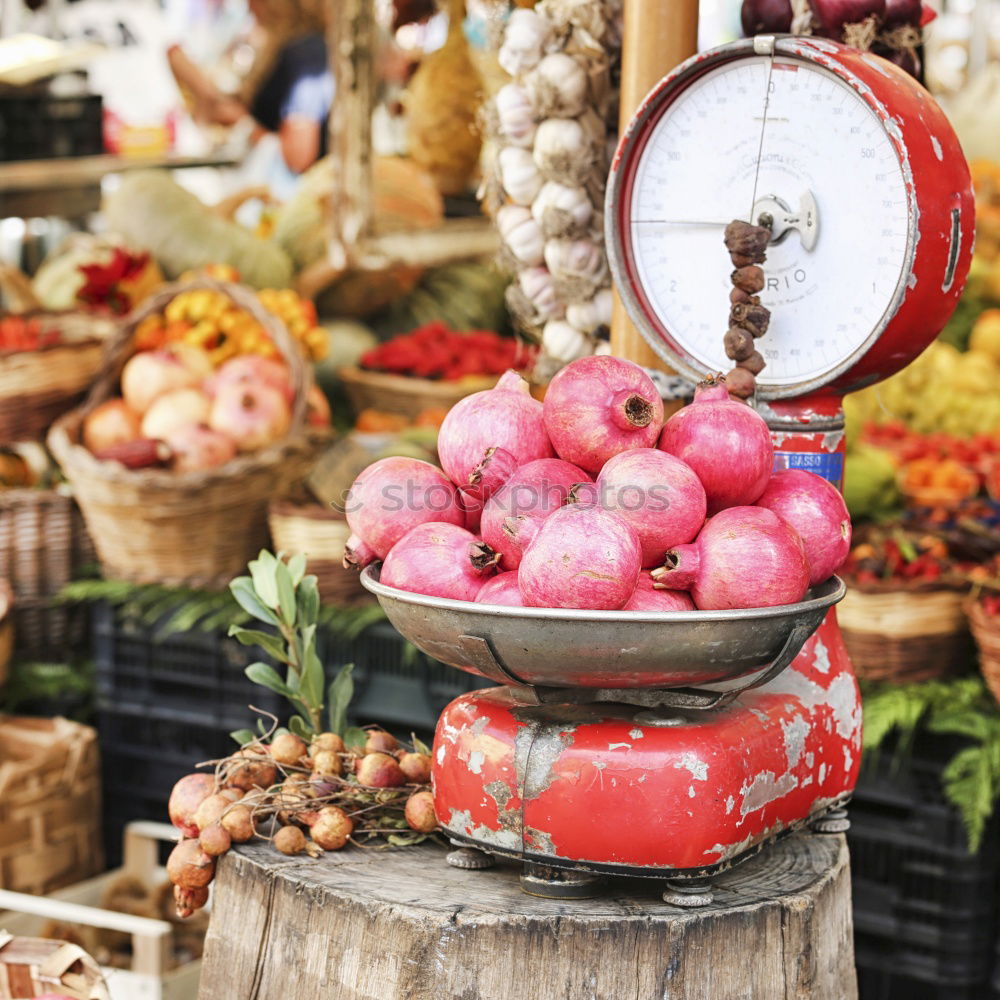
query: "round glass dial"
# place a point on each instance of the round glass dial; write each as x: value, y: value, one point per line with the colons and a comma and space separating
x: 790, y: 138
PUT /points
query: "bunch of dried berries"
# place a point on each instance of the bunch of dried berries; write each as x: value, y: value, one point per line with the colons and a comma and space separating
x: 748, y: 319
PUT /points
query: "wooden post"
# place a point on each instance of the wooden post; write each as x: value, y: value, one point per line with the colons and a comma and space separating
x: 658, y: 36
x: 402, y: 925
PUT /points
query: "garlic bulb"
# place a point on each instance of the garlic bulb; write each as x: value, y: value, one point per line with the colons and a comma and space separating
x: 574, y: 259
x: 521, y: 234
x: 519, y: 175
x: 515, y: 115
x: 593, y: 313
x: 525, y: 37
x: 603, y: 347
x: 540, y: 290
x: 564, y: 151
x: 558, y: 86
x: 565, y: 343
x: 561, y: 210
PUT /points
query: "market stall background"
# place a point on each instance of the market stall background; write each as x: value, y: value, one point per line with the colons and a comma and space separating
x: 99, y: 637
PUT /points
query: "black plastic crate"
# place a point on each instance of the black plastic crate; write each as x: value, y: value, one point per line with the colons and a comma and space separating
x: 880, y: 983
x: 40, y: 126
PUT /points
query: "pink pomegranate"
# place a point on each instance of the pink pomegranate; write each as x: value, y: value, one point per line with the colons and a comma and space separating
x: 744, y: 557
x: 388, y: 499
x: 512, y: 516
x: 110, y: 424
x: 254, y: 369
x: 179, y: 408
x: 648, y: 597
x: 502, y: 589
x: 504, y: 417
x: 599, y: 406
x: 582, y: 556
x: 726, y: 443
x: 151, y: 374
x: 194, y: 448
x: 658, y: 494
x: 254, y: 416
x: 494, y: 469
x: 440, y: 560
x: 815, y: 509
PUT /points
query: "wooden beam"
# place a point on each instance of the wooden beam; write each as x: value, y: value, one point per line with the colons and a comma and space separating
x: 659, y: 34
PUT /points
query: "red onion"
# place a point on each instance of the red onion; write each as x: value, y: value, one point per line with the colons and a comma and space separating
x: 745, y: 557
x: 831, y: 15
x: 504, y: 417
x: 648, y: 597
x: 501, y: 590
x: 726, y: 443
x: 440, y: 560
x: 899, y: 12
x: 766, y: 17
x: 389, y: 498
x: 581, y: 557
x: 659, y: 495
x: 512, y: 516
x: 599, y: 406
x: 815, y: 509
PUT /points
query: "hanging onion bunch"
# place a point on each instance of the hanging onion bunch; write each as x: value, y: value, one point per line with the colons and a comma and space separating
x: 889, y: 28
x: 555, y: 127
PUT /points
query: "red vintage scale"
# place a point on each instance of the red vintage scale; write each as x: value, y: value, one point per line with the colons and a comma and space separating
x: 673, y: 746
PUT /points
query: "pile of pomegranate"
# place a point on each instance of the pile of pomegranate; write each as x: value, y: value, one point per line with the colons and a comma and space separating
x: 177, y: 410
x: 590, y: 500
x: 304, y: 798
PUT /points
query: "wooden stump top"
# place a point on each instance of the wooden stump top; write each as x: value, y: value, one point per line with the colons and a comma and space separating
x: 389, y: 925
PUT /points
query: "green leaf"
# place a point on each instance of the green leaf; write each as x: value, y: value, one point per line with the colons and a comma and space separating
x: 339, y: 697
x: 242, y: 736
x: 307, y: 598
x: 297, y: 568
x: 265, y: 675
x: 286, y: 593
x: 420, y: 747
x: 264, y: 571
x: 970, y: 785
x: 405, y: 840
x: 313, y: 679
x: 269, y: 643
x: 301, y: 728
x: 242, y: 588
x: 354, y: 736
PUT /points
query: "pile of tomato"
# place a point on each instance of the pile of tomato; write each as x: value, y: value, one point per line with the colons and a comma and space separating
x: 435, y: 351
x: 20, y: 333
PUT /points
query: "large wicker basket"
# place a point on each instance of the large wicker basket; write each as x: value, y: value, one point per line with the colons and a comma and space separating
x: 404, y: 394
x: 320, y: 534
x: 38, y: 386
x: 905, y: 635
x: 43, y: 542
x: 199, y: 528
x: 986, y: 632
x: 50, y: 804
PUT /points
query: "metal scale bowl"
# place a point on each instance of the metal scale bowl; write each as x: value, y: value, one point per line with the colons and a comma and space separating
x: 603, y: 752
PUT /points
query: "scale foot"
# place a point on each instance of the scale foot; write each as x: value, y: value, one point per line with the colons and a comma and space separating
x: 559, y: 883
x: 834, y: 821
x: 688, y: 893
x: 469, y: 858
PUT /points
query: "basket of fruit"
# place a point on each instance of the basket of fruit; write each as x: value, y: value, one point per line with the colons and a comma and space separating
x: 47, y: 362
x: 903, y: 618
x: 984, y: 620
x: 176, y: 451
x: 430, y: 367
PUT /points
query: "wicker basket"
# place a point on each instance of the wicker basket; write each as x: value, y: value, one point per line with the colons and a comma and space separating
x: 50, y: 804
x: 404, y: 394
x: 200, y: 528
x: 37, y: 387
x: 320, y: 533
x: 43, y: 541
x: 986, y: 632
x: 905, y: 635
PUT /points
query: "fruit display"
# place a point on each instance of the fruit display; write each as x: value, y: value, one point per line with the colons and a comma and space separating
x: 434, y: 351
x: 589, y: 500
x: 210, y: 320
x: 900, y: 555
x: 20, y: 333
x: 178, y: 410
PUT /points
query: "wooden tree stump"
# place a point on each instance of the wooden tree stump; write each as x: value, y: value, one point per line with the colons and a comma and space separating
x: 403, y: 925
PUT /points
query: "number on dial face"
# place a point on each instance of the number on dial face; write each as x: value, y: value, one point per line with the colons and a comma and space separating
x: 699, y: 169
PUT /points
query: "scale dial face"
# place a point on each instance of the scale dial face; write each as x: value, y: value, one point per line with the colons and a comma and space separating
x: 787, y: 128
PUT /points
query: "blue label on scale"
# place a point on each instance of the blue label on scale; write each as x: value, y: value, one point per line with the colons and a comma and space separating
x: 829, y: 465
